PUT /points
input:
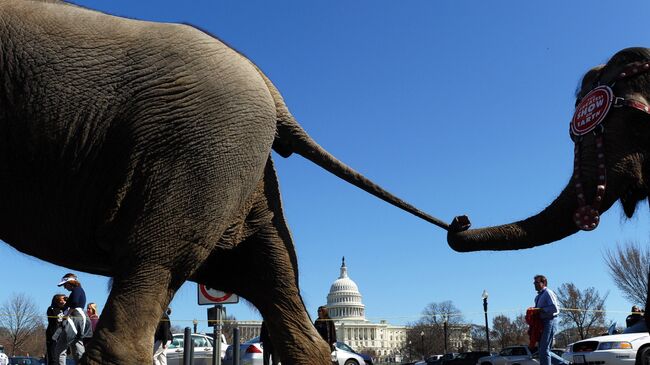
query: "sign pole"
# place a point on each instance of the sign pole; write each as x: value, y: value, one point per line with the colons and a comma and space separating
x: 216, y: 350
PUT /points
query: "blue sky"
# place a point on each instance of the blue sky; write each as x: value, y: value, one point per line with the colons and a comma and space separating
x: 459, y: 107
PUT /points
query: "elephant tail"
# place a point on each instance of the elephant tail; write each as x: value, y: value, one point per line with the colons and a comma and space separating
x: 291, y: 137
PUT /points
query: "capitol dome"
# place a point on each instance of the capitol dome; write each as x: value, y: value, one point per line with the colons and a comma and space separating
x: 344, y: 299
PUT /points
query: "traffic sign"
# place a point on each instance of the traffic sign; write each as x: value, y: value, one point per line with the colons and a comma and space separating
x: 209, y: 295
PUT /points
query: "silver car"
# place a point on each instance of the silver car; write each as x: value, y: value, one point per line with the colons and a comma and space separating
x: 251, y: 353
x: 202, y: 349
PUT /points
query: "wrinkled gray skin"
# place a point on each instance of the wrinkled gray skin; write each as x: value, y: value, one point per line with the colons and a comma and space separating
x: 627, y: 154
x: 141, y: 151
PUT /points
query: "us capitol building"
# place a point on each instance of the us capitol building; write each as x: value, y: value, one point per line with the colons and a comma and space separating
x: 348, y: 312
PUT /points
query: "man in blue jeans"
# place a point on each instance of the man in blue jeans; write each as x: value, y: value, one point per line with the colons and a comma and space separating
x: 547, y: 304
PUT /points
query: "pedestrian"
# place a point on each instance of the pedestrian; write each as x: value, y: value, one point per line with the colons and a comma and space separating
x: 4, y: 359
x: 548, y: 306
x: 267, y: 347
x: 91, y: 311
x: 162, y: 338
x: 325, y: 327
x: 635, y: 316
x: 54, y: 320
x: 76, y: 327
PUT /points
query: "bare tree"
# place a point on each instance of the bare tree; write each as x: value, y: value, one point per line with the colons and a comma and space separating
x: 583, y: 308
x: 22, y: 320
x: 506, y: 332
x: 436, y: 313
x: 229, y: 323
x: 435, y: 318
x: 479, y: 341
x: 628, y: 266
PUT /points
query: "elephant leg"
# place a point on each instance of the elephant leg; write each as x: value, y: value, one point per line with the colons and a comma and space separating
x: 134, y: 307
x: 263, y: 269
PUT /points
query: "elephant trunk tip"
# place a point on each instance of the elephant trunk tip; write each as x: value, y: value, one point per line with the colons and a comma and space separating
x: 459, y: 224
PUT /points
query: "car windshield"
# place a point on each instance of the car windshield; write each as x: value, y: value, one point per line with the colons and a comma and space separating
x: 345, y: 347
x: 253, y: 340
x: 197, y: 341
x: 638, y: 327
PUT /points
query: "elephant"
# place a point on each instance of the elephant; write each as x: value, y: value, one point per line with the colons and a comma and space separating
x: 611, y: 132
x: 141, y: 151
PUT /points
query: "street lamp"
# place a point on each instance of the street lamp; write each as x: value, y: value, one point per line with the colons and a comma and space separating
x: 487, y: 329
x: 195, y: 323
x: 422, y: 341
x: 410, y: 350
x: 444, y: 326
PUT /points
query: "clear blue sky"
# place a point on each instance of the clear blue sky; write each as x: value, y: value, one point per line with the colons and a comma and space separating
x: 460, y: 107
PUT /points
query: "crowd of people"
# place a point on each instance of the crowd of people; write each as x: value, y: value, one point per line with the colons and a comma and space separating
x: 70, y: 322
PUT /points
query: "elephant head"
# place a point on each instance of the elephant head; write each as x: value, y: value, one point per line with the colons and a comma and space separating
x: 611, y: 131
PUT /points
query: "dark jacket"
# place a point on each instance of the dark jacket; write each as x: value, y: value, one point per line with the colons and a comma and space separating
x: 326, y: 329
x: 53, y: 321
x: 163, y: 331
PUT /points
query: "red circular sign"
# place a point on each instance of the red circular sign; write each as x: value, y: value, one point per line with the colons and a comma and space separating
x: 592, y: 110
x: 206, y: 293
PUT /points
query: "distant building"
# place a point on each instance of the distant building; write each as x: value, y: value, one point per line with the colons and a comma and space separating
x: 384, y: 340
x: 348, y: 312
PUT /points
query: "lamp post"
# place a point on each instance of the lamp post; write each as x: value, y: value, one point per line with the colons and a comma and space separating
x: 422, y: 342
x: 487, y: 329
x: 195, y: 323
x: 410, y: 350
x: 444, y: 327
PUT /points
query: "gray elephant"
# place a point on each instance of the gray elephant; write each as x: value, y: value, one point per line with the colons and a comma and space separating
x: 141, y: 151
x: 611, y: 131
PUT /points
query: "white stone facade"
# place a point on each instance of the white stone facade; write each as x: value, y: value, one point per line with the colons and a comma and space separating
x: 348, y: 312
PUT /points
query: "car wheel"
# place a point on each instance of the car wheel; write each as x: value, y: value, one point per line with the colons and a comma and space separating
x: 351, y: 362
x: 643, y: 356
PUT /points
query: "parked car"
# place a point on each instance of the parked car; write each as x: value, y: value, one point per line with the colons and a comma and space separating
x: 250, y: 353
x: 224, y: 343
x: 627, y: 348
x: 534, y: 359
x: 202, y: 349
x: 440, y: 360
x: 346, y: 357
x: 510, y: 353
x: 24, y: 360
x: 343, y: 346
x: 466, y: 358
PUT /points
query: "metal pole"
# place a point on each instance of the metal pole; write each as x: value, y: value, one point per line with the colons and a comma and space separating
x: 445, y: 331
x: 487, y: 329
x: 235, y: 346
x: 422, y: 342
x: 217, y: 334
x: 187, y: 346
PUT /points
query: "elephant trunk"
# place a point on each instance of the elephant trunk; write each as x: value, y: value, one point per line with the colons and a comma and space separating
x: 553, y: 223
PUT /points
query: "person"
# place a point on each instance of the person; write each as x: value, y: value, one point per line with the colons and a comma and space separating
x: 325, y: 327
x: 162, y: 338
x: 91, y: 311
x: 54, y: 319
x: 267, y: 345
x: 547, y: 305
x: 4, y: 359
x: 635, y: 316
x: 76, y: 327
